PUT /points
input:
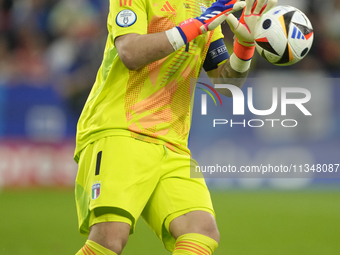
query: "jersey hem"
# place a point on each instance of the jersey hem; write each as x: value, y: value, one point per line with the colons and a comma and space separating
x: 126, y: 133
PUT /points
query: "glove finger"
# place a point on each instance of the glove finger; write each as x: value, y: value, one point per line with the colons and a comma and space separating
x: 214, y: 16
x: 232, y: 21
x: 247, y: 10
x: 271, y: 4
x: 238, y: 6
x: 241, y: 19
x: 250, y: 7
x: 234, y: 7
x: 228, y: 8
x: 259, y: 6
x: 216, y: 22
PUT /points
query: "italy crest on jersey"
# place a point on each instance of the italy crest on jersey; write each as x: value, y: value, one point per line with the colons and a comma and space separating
x: 95, y: 191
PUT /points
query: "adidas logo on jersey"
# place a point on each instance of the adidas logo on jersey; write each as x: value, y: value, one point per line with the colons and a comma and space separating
x: 167, y: 7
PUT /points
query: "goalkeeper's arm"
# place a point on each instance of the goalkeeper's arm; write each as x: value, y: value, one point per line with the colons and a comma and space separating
x: 137, y: 50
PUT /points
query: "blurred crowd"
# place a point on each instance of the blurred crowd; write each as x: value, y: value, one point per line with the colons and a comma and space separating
x: 60, y: 43
x: 56, y: 43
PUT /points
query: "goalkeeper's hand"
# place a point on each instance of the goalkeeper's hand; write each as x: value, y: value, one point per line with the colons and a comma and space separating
x: 244, y: 27
x: 189, y: 29
x: 208, y: 21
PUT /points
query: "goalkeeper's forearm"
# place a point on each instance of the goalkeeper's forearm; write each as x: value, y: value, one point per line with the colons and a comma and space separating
x: 226, y: 74
x: 137, y: 50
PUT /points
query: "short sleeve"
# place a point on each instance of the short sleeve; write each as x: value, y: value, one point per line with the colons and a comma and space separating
x: 126, y: 17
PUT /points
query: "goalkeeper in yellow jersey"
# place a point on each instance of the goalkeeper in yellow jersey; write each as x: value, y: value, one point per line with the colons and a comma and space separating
x: 132, y: 134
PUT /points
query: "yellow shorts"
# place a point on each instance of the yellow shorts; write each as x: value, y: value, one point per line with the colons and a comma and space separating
x: 121, y: 178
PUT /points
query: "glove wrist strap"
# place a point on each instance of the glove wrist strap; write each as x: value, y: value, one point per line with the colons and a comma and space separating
x: 175, y: 38
x: 190, y: 29
x: 243, y: 52
x: 238, y: 64
x: 185, y: 32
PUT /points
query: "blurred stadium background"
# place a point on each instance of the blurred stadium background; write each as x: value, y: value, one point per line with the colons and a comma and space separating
x: 50, y: 51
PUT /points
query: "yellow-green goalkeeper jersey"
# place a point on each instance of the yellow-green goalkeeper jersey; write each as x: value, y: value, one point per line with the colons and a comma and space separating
x: 152, y: 104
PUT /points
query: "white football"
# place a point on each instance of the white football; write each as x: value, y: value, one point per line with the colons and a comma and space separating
x: 284, y: 35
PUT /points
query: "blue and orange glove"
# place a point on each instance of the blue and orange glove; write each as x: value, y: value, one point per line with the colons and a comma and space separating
x: 208, y: 21
x: 244, y: 28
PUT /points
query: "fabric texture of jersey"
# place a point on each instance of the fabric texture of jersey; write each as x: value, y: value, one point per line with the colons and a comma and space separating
x: 154, y: 103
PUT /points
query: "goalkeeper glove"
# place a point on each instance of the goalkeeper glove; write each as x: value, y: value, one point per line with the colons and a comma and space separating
x: 189, y: 29
x: 244, y: 28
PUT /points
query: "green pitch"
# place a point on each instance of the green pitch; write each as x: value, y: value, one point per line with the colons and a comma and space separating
x: 43, y: 222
